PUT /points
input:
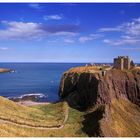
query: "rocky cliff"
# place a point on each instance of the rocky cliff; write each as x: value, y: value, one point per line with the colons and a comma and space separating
x: 110, y: 99
x: 87, y: 88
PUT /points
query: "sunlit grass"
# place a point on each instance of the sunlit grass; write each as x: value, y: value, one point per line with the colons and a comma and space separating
x: 51, y: 114
x: 125, y: 118
x: 43, y: 115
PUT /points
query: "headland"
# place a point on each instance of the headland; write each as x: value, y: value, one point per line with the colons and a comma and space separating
x: 95, y: 101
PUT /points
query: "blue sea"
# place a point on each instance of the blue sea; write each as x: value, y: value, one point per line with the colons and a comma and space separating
x: 33, y: 78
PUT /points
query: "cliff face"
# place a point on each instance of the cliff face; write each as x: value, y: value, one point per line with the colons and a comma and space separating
x: 89, y: 88
x: 111, y: 100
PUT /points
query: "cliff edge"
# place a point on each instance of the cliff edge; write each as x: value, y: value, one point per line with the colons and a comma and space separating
x: 110, y: 97
x: 88, y: 87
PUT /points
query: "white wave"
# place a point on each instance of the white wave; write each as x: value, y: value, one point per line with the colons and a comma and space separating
x: 40, y: 95
x: 37, y: 95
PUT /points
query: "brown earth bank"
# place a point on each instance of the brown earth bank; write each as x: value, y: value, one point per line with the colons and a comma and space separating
x: 112, y: 99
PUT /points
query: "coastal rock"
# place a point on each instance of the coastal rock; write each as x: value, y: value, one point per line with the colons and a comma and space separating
x: 29, y: 97
x: 85, y: 89
x: 4, y: 70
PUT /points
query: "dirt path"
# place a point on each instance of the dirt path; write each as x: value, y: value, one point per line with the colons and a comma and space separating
x: 32, y: 103
x: 66, y: 114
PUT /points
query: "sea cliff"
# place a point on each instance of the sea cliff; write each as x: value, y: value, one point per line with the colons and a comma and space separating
x: 87, y: 88
x: 110, y: 99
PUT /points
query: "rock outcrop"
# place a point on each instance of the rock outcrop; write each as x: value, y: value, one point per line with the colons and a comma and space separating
x: 110, y: 99
x: 89, y: 88
x: 4, y: 70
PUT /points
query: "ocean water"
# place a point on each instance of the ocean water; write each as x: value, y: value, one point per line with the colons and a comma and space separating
x: 33, y: 78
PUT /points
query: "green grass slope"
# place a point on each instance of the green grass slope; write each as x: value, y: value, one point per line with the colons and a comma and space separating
x: 125, y: 118
x: 120, y: 119
x: 41, y: 115
x: 31, y: 116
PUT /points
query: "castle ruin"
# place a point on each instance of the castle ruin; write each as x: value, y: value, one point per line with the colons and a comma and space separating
x: 123, y: 62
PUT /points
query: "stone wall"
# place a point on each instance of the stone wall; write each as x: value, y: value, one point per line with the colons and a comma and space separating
x: 122, y: 62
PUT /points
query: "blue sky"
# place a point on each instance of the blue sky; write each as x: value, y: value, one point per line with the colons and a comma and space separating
x: 69, y: 32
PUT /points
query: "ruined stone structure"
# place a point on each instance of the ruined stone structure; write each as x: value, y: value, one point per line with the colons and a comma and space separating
x: 123, y: 62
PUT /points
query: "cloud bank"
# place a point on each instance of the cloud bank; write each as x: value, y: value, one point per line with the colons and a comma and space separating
x: 130, y: 33
x: 35, y: 6
x: 31, y: 30
x: 52, y: 17
x: 90, y: 37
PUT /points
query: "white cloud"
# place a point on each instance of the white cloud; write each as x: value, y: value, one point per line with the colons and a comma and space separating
x: 21, y: 30
x: 90, y: 37
x: 130, y: 48
x: 35, y: 6
x: 118, y: 42
x: 3, y: 48
x: 129, y: 28
x: 127, y: 37
x: 52, y: 17
x: 133, y: 29
x: 111, y: 29
x: 137, y: 19
x: 129, y: 33
x: 83, y: 39
x: 63, y: 33
x: 69, y: 41
x: 30, y: 30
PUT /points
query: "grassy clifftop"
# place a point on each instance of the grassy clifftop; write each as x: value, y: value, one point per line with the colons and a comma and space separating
x: 88, y: 69
x: 115, y: 95
x: 42, y: 115
x: 125, y: 118
x: 35, y: 116
x: 121, y: 118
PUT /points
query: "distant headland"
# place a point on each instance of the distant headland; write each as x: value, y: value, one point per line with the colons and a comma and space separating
x: 5, y: 70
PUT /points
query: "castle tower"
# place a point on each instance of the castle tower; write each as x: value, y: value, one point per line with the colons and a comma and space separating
x: 122, y: 62
x: 127, y: 62
x: 118, y: 63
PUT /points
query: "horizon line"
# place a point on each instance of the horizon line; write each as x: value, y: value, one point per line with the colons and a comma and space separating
x: 56, y: 62
x: 51, y: 62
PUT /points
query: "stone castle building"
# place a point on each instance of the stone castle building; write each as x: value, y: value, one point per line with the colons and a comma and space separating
x: 123, y: 62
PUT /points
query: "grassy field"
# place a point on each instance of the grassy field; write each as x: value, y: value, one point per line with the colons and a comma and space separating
x: 42, y: 115
x: 33, y: 116
x: 123, y: 119
x: 88, y: 69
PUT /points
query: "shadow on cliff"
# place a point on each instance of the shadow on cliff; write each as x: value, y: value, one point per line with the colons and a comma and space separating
x: 80, y: 100
x: 91, y: 123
